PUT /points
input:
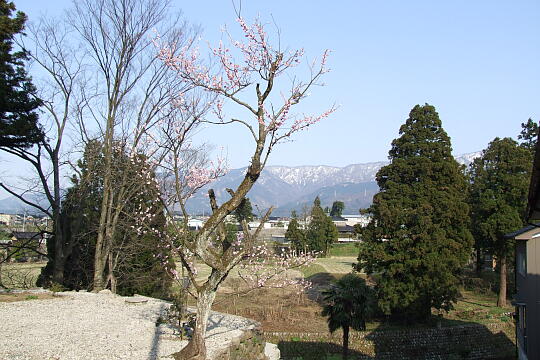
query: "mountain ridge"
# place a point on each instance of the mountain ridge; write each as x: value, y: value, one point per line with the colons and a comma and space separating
x: 287, y: 187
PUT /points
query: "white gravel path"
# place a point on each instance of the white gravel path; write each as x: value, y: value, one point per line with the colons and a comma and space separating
x: 98, y: 326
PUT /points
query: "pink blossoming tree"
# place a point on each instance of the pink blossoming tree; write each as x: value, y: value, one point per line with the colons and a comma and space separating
x: 245, y: 68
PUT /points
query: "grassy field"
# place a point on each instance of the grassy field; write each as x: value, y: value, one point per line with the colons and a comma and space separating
x: 337, y: 264
x: 345, y: 249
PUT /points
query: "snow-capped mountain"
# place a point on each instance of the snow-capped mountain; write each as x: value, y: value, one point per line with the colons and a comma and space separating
x: 467, y: 159
x: 291, y: 187
x: 326, y: 175
x: 287, y: 187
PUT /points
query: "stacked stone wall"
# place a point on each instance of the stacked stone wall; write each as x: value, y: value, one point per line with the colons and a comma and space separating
x: 470, y: 341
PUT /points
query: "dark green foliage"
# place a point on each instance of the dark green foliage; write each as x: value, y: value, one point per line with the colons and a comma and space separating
x: 418, y: 238
x: 231, y: 234
x: 135, y: 265
x: 321, y: 232
x: 348, y: 304
x: 18, y: 118
x: 529, y: 134
x: 80, y: 218
x: 138, y: 271
x: 296, y: 236
x: 499, y: 187
x: 337, y: 208
x: 244, y: 211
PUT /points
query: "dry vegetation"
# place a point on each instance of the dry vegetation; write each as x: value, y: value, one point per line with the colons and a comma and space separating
x: 21, y: 275
x: 284, y: 310
x: 24, y: 296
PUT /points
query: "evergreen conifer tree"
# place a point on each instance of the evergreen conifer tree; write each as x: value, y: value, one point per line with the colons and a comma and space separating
x: 136, y: 267
x: 418, y: 238
x: 528, y: 135
x: 500, y: 183
x: 337, y: 208
x: 296, y: 235
x: 244, y: 211
x: 18, y: 116
x: 321, y: 232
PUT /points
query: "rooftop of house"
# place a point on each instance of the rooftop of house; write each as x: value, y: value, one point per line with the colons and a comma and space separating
x: 26, y: 235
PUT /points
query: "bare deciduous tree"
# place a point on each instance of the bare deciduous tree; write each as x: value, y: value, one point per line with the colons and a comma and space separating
x: 59, y: 81
x: 131, y: 89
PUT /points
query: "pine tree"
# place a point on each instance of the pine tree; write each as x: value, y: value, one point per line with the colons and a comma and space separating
x: 18, y: 116
x: 418, y: 238
x: 500, y: 180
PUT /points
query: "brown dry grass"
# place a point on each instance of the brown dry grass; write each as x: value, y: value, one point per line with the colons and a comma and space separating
x: 275, y: 309
x: 24, y: 296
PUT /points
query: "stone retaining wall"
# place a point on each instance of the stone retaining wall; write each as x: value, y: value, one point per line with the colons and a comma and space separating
x: 248, y: 346
x: 470, y: 341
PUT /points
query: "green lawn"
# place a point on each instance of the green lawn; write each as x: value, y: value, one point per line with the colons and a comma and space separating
x: 346, y: 249
x: 337, y: 264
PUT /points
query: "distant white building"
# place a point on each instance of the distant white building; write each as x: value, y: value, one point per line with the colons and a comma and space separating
x: 352, y: 220
x: 255, y: 224
x: 195, y: 224
x: 5, y: 219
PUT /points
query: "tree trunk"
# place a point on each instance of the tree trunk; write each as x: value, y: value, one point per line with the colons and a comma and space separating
x: 59, y: 258
x: 99, y: 265
x: 479, y: 261
x: 100, y: 256
x: 102, y: 245
x: 111, y: 279
x: 501, y: 301
x: 2, y: 259
x: 196, y: 348
x: 59, y: 253
x: 345, y: 342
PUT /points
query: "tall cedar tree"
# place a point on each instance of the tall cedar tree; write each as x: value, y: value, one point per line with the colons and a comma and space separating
x: 296, y: 235
x: 321, y: 232
x: 337, y: 208
x: 418, y: 238
x: 529, y: 135
x: 18, y: 116
x: 499, y: 188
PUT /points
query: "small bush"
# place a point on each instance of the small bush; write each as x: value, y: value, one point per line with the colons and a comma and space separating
x: 55, y: 287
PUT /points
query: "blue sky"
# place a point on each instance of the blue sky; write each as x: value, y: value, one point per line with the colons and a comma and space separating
x: 476, y: 61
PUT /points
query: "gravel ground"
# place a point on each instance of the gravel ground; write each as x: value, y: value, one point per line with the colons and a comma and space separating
x: 98, y: 326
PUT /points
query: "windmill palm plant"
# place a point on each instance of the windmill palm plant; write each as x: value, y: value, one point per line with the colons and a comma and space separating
x: 348, y: 304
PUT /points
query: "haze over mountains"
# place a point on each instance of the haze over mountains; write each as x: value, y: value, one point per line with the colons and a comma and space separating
x: 287, y: 188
